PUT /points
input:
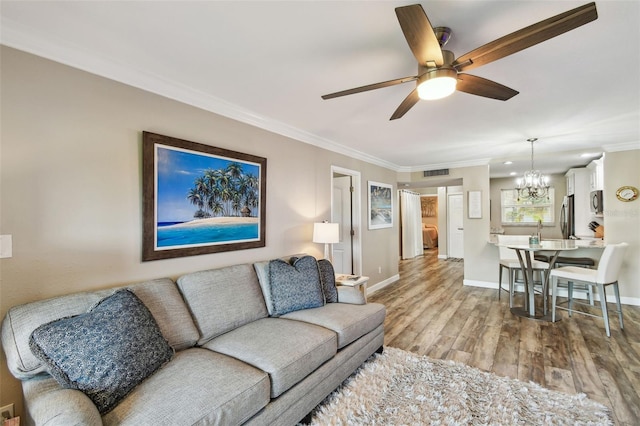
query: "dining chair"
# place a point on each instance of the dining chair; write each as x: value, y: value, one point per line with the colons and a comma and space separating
x: 605, y: 275
x: 583, y: 262
x: 509, y: 261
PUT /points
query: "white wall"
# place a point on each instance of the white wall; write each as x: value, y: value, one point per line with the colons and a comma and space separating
x: 71, y: 197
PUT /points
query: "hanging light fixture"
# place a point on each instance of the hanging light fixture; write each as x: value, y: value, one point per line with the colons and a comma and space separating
x: 533, y: 185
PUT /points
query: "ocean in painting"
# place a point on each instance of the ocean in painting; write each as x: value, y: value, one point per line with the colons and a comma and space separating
x: 175, y: 234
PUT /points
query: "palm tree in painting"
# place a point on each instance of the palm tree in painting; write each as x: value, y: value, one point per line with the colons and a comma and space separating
x: 225, y: 192
x: 197, y: 199
x: 234, y: 170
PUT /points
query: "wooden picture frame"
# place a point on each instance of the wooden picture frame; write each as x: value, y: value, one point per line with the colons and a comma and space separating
x: 199, y: 199
x: 380, y: 205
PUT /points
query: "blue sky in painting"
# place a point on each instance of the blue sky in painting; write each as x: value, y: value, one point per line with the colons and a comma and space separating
x: 177, y: 170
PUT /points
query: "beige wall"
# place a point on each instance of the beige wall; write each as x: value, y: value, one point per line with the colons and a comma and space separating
x: 622, y: 219
x: 71, y: 186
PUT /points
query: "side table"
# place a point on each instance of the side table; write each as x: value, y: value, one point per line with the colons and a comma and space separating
x: 357, y: 281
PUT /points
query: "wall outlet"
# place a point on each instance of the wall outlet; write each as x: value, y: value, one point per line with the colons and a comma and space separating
x: 379, y: 269
x: 6, y: 412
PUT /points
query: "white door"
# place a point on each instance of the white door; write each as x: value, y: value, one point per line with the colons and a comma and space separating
x: 455, y: 231
x: 341, y: 213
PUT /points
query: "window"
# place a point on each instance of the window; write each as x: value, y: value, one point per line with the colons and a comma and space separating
x: 527, y: 212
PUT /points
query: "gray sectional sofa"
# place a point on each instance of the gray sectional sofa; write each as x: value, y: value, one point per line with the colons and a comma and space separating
x: 254, y: 344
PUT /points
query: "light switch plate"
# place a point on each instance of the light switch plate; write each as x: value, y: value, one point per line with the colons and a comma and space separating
x: 6, y: 246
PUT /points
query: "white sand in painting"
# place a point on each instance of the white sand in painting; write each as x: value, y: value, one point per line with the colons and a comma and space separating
x: 215, y: 221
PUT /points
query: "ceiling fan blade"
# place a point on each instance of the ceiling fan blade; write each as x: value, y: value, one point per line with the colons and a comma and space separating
x: 370, y: 87
x: 406, y: 105
x: 475, y: 85
x: 527, y: 37
x: 419, y: 34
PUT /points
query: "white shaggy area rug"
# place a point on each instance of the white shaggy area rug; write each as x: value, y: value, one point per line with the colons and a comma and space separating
x: 402, y: 388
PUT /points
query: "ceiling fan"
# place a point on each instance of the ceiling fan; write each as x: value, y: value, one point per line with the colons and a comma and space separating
x: 440, y: 73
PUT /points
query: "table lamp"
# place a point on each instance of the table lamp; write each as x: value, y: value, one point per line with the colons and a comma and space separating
x: 326, y: 233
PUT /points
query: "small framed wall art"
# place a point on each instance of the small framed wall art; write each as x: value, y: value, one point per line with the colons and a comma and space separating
x: 475, y: 204
x: 380, y: 203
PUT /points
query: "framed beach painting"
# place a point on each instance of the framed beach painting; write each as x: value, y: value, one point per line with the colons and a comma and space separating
x: 199, y: 199
x: 380, y: 202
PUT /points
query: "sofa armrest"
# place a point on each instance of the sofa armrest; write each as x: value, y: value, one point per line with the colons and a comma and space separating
x: 350, y: 295
x: 48, y: 404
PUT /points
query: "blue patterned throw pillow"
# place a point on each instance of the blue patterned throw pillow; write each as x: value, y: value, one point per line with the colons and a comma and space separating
x: 105, y: 352
x: 328, y: 280
x: 294, y: 286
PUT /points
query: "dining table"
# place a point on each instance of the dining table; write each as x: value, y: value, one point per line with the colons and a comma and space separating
x: 525, y: 253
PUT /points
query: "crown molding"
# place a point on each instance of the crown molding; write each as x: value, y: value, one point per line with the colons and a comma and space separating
x: 628, y: 146
x: 16, y: 36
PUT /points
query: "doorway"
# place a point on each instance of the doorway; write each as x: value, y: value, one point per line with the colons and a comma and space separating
x: 455, y: 226
x: 345, y: 210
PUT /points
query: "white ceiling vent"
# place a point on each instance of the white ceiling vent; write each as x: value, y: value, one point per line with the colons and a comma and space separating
x: 439, y: 172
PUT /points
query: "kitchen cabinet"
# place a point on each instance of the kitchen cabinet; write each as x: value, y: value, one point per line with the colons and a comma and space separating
x: 571, y: 182
x: 596, y: 178
x: 579, y: 181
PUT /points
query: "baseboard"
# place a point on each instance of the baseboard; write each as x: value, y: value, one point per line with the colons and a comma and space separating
x: 443, y: 256
x: 483, y: 284
x: 633, y: 301
x: 383, y: 284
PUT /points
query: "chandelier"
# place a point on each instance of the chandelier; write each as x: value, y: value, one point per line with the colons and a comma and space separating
x: 533, y: 185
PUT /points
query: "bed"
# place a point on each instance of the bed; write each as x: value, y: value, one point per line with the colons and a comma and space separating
x: 429, y: 236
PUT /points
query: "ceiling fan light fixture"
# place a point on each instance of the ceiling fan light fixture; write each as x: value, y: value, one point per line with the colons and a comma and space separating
x: 437, y: 84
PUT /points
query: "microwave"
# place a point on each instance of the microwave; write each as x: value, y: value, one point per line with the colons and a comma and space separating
x: 596, y: 202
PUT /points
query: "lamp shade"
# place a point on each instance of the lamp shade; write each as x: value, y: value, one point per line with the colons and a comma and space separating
x: 327, y: 233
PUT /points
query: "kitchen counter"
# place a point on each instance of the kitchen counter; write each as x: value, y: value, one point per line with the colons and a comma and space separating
x: 584, y: 248
x: 586, y: 243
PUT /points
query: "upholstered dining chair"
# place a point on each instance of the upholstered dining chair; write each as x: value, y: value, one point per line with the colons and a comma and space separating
x: 509, y: 261
x: 605, y: 275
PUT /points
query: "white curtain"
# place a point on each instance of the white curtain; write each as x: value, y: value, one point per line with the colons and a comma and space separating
x: 411, y: 224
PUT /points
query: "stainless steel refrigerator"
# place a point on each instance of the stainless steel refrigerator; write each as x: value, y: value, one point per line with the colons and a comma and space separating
x: 567, y: 217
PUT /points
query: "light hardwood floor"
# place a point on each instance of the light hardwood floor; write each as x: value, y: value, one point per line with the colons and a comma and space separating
x: 430, y: 312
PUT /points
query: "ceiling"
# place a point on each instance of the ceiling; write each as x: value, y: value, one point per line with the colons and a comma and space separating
x: 267, y: 63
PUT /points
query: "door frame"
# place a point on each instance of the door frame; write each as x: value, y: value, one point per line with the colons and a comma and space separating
x: 449, y: 230
x: 356, y: 214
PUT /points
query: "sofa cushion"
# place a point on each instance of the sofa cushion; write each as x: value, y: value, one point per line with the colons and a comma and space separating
x: 350, y: 322
x: 105, y: 352
x: 222, y: 299
x: 165, y: 302
x: 287, y: 350
x: 295, y: 285
x: 351, y: 295
x: 328, y: 280
x: 197, y: 386
x: 262, y: 271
